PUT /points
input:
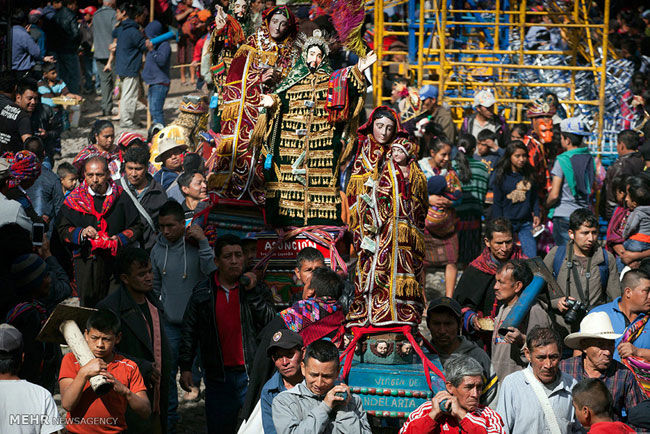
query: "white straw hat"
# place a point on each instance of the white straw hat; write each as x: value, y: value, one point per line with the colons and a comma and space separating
x: 595, y: 325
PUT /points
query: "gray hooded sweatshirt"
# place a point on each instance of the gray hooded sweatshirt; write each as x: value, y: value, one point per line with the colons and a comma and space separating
x: 177, y: 268
x: 299, y: 411
x: 638, y: 222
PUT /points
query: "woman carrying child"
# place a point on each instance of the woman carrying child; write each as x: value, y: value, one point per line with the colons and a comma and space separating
x: 442, y: 244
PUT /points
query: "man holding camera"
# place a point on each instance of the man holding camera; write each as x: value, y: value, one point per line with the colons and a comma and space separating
x: 223, y: 318
x: 584, y: 270
x: 318, y: 404
x: 456, y: 409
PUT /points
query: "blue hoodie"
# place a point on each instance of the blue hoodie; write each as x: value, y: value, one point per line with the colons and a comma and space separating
x: 156, y: 65
x: 129, y: 49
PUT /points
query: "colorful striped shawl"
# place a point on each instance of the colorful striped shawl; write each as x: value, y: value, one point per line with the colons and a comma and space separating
x: 639, y: 367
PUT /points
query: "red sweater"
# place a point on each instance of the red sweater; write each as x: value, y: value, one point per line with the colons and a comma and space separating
x: 229, y: 326
x: 482, y: 421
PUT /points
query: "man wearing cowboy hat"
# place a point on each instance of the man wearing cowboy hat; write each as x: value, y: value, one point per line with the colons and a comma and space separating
x: 596, y: 340
x: 573, y: 176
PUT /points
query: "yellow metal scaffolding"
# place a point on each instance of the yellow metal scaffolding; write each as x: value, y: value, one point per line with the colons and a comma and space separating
x: 485, y: 60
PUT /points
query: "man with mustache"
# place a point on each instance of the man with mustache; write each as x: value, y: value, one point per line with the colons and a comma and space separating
x: 596, y: 340
x: 583, y: 269
x: 538, y: 399
x: 456, y: 409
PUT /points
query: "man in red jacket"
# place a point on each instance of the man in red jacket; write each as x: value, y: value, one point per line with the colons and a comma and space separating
x: 456, y: 409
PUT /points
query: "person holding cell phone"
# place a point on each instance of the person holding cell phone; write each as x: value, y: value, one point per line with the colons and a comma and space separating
x: 319, y: 404
x: 456, y: 409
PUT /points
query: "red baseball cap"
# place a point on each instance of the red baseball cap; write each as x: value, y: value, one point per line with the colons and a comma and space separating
x: 88, y: 10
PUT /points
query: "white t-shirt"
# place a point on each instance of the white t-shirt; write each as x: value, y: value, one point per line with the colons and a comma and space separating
x: 27, y: 408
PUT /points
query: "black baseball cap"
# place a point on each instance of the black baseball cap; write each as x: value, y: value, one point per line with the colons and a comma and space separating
x: 445, y: 302
x: 284, y: 339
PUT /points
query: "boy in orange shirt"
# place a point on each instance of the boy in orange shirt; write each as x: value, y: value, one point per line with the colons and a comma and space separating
x: 87, y: 412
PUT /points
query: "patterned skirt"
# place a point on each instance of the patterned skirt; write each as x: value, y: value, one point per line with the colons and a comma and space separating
x: 440, y: 251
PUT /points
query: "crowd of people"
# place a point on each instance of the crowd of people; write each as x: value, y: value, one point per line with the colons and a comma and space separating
x: 124, y: 229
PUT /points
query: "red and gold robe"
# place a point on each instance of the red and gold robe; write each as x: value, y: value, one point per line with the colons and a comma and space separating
x: 235, y: 172
x: 388, y: 285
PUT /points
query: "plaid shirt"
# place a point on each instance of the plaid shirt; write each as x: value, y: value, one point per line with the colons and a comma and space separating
x: 619, y: 380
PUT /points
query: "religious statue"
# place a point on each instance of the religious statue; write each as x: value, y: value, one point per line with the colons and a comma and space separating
x: 192, y: 120
x: 314, y: 114
x: 390, y: 207
x: 258, y: 66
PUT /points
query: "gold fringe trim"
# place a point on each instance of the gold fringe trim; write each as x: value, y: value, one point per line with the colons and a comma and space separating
x: 407, y: 234
x: 230, y: 111
x: 407, y: 286
x: 355, y: 185
x: 257, y: 136
x: 217, y: 181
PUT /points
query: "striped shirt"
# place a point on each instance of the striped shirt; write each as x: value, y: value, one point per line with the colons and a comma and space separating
x: 475, y: 190
x: 482, y: 420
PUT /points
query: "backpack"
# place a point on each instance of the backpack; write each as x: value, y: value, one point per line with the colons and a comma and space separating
x: 603, y: 267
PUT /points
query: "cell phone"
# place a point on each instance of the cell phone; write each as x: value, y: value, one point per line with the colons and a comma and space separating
x: 343, y: 395
x: 38, y: 232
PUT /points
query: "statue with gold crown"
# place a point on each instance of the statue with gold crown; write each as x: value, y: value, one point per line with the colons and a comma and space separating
x: 257, y: 68
x: 313, y: 117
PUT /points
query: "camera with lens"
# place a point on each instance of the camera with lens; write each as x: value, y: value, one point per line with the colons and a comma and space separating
x: 576, y: 310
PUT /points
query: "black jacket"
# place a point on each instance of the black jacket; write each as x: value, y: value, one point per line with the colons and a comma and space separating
x: 136, y: 345
x: 46, y: 119
x: 200, y: 327
x: 67, y: 36
x: 152, y: 200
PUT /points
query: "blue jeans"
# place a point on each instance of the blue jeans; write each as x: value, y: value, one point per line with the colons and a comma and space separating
x: 67, y: 65
x: 173, y: 333
x: 223, y: 400
x: 636, y: 246
x: 561, y: 231
x: 157, y: 95
x: 528, y: 242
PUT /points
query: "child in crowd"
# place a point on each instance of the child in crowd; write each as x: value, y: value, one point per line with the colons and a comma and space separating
x: 69, y: 176
x: 592, y: 402
x: 637, y: 228
x: 307, y: 260
x: 487, y: 149
x: 619, y: 219
x: 180, y: 259
x: 50, y: 87
x: 441, y: 221
x: 80, y: 400
x: 171, y: 157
